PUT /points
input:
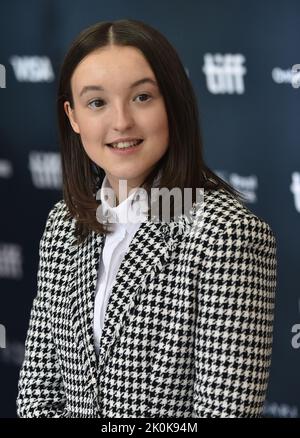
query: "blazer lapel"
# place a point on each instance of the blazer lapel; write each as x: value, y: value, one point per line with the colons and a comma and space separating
x: 148, y: 252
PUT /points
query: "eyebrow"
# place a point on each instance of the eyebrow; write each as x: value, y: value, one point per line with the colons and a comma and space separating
x: 100, y: 88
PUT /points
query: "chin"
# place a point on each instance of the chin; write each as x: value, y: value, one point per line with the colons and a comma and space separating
x: 128, y: 175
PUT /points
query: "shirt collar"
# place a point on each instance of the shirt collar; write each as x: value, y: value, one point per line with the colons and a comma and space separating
x: 125, y: 215
x: 130, y: 211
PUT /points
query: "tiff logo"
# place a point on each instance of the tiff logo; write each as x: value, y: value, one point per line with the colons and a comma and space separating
x: 45, y: 169
x: 11, y: 261
x: 2, y: 336
x: 2, y: 76
x: 6, y: 169
x: 13, y: 353
x: 282, y: 410
x: 224, y: 73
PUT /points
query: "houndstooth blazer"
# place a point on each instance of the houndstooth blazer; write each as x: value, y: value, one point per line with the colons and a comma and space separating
x: 187, y: 331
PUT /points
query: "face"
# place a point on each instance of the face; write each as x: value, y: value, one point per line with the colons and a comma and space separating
x: 114, y: 108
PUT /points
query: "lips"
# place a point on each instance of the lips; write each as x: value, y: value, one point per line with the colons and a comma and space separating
x: 126, y: 151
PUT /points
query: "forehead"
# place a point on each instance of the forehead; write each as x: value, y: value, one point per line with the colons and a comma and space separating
x: 106, y: 65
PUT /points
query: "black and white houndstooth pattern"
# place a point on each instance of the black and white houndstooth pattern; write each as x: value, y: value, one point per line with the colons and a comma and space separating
x: 188, y: 328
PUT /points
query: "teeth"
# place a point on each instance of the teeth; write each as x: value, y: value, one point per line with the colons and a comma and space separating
x: 125, y: 144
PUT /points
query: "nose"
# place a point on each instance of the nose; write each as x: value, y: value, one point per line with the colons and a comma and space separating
x: 122, y: 118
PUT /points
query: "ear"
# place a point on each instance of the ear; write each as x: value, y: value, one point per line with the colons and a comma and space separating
x: 71, y: 116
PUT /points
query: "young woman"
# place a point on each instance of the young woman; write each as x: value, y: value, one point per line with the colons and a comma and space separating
x: 143, y: 317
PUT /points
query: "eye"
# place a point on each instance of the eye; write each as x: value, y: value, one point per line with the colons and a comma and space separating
x: 144, y: 94
x: 97, y: 103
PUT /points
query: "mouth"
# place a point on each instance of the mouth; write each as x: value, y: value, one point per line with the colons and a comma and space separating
x: 125, y: 149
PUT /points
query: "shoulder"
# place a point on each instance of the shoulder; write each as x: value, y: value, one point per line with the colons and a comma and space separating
x: 59, y: 221
x: 219, y: 213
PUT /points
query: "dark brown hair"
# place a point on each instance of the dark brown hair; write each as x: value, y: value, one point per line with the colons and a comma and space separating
x: 182, y: 165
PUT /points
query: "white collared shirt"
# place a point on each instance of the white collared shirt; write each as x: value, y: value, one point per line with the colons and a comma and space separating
x: 115, y: 246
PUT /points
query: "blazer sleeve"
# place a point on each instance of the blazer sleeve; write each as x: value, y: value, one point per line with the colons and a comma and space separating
x: 234, y: 330
x: 40, y: 387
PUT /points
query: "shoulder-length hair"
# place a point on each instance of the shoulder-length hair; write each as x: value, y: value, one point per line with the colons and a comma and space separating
x: 183, y: 163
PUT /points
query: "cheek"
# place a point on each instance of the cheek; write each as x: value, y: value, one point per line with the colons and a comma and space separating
x: 163, y: 129
x: 90, y: 129
x: 158, y: 123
